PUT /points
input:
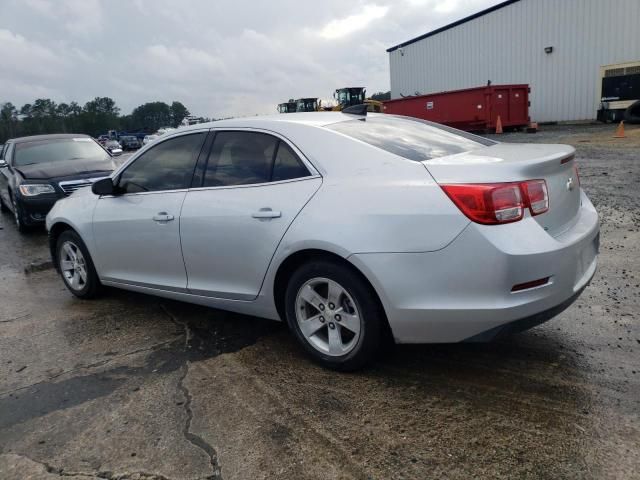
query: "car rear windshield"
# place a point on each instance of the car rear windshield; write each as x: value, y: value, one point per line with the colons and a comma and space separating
x: 54, y: 150
x: 411, y: 138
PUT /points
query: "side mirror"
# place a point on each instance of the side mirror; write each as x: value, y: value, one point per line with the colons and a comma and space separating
x: 103, y: 187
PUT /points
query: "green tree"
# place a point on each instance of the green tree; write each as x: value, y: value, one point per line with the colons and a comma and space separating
x: 178, y: 113
x: 8, y: 121
x: 380, y: 96
x: 151, y: 116
x: 98, y: 116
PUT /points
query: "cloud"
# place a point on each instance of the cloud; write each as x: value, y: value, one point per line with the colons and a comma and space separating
x: 28, y: 59
x: 223, y: 58
x: 343, y: 27
x: 78, y: 17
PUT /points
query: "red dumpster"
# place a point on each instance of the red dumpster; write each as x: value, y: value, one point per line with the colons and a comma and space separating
x: 471, y: 109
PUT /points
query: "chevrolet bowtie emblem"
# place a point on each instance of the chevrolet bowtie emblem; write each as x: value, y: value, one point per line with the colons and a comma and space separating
x: 570, y: 184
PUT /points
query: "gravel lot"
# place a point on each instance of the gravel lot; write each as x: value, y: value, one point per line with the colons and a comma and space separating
x: 134, y: 387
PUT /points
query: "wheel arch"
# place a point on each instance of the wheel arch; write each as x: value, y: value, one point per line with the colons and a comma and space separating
x: 289, y: 265
x: 54, y: 233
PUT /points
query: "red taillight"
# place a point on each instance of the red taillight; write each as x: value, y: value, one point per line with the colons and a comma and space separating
x: 497, y: 203
x: 489, y: 204
x: 535, y: 192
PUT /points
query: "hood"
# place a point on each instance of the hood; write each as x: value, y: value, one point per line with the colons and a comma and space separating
x: 65, y: 168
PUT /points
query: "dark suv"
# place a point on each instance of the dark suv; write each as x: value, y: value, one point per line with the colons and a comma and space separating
x: 36, y: 171
x: 130, y: 143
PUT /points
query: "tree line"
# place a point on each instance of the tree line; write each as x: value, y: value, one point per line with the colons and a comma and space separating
x: 96, y: 117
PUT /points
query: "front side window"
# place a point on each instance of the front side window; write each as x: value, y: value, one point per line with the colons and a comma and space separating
x: 411, y: 138
x: 167, y: 166
x: 244, y: 158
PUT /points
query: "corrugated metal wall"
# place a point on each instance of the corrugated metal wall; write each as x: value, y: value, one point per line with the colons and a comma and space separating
x: 507, y: 46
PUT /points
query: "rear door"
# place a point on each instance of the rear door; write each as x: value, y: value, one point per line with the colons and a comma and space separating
x: 137, y: 232
x: 253, y: 186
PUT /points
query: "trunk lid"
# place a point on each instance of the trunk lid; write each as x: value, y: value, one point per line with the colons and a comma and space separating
x: 505, y: 162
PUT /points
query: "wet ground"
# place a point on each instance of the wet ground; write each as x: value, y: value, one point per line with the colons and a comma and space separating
x: 135, y: 387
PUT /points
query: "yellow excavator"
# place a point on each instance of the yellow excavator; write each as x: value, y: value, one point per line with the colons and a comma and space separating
x: 287, y: 107
x: 350, y: 96
x: 345, y: 97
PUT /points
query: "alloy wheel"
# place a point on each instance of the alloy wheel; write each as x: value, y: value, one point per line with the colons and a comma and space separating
x: 73, y: 266
x: 328, y: 317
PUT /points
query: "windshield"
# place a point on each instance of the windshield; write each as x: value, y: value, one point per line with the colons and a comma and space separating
x: 410, y: 138
x: 54, y: 150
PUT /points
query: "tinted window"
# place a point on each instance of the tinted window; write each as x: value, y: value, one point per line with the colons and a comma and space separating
x: 167, y: 166
x: 240, y: 158
x: 287, y: 165
x: 410, y: 138
x: 54, y: 150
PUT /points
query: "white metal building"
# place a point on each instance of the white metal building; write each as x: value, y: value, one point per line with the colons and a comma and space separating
x: 556, y: 46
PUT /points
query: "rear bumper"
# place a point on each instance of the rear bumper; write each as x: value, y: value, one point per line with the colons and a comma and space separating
x: 463, y: 292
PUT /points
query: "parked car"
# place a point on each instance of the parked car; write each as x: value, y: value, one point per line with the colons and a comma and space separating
x: 36, y: 171
x: 130, y: 142
x: 103, y: 139
x: 348, y: 227
x: 149, y: 139
x: 114, y: 147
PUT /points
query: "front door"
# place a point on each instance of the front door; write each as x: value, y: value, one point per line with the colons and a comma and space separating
x: 254, y: 186
x: 137, y: 231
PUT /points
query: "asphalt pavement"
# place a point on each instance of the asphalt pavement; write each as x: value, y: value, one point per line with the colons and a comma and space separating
x: 135, y: 387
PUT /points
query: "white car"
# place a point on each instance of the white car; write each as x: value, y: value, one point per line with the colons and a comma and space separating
x: 149, y: 139
x: 349, y: 227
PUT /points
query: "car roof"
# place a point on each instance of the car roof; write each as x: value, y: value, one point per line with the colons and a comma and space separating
x: 316, y: 119
x: 55, y: 136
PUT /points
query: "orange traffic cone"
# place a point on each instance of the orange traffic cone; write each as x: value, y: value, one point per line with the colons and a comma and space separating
x: 498, y: 125
x: 620, y: 130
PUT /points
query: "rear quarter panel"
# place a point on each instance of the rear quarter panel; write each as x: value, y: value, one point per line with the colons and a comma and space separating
x: 370, y: 200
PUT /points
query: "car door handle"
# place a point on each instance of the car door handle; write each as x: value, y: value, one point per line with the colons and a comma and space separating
x: 266, y: 213
x: 162, y: 217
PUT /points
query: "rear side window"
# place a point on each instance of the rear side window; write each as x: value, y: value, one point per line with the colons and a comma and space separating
x: 410, y: 138
x: 245, y: 158
x: 287, y: 165
x: 167, y: 166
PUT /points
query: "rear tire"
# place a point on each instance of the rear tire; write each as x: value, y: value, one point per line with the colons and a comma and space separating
x: 334, y: 314
x: 76, y: 267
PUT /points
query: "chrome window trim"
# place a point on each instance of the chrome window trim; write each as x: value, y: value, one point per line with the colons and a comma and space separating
x: 262, y: 184
x: 145, y: 193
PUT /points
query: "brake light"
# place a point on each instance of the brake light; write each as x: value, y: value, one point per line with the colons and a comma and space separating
x: 498, y: 203
x: 488, y: 204
x: 536, y: 193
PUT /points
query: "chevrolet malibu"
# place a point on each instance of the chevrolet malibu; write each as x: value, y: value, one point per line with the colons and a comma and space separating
x: 348, y: 227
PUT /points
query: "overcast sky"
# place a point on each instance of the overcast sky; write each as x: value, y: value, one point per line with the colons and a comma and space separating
x: 220, y: 58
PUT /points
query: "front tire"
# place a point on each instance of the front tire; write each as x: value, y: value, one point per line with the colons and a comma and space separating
x: 334, y: 314
x: 18, y: 216
x: 3, y: 207
x: 75, y: 266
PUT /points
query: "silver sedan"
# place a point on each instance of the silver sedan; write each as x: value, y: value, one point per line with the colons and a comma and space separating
x: 352, y: 228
